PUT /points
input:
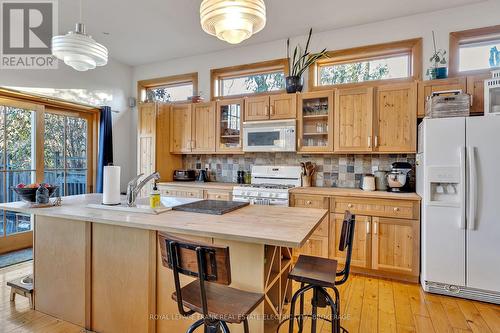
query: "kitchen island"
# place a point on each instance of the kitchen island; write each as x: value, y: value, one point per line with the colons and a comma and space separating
x: 101, y: 269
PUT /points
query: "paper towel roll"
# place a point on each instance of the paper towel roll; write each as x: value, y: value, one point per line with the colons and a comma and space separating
x: 111, y: 185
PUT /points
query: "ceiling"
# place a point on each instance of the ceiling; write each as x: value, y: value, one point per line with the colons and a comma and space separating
x: 153, y: 30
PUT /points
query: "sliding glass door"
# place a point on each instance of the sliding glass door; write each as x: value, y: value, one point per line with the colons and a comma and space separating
x: 17, y: 165
x: 65, y: 153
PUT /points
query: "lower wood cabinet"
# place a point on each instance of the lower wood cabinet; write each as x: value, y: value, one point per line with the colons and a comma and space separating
x: 195, y: 192
x: 184, y: 192
x: 362, y: 240
x: 315, y: 246
x: 386, y: 234
x: 395, y: 245
x: 223, y: 195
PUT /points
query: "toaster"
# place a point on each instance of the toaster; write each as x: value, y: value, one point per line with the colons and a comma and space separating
x: 184, y: 175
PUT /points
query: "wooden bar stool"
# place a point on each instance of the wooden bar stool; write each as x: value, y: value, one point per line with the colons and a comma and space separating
x: 209, y: 295
x: 319, y: 274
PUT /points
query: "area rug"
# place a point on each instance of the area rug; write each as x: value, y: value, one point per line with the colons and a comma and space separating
x: 15, y: 257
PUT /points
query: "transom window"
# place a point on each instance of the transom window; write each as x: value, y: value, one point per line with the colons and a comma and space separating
x: 479, y: 55
x: 171, y: 93
x: 263, y: 77
x: 177, y: 88
x: 396, y: 60
x: 476, y: 50
x: 393, y: 67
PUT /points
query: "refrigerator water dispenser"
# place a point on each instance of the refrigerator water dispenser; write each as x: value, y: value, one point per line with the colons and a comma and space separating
x: 444, y: 186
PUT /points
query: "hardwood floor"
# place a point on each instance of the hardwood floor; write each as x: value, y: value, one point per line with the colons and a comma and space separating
x: 367, y: 305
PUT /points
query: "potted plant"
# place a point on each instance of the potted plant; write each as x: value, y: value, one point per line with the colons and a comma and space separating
x: 439, y: 70
x: 300, y: 61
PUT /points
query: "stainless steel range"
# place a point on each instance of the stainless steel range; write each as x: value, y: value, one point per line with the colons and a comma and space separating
x: 270, y: 185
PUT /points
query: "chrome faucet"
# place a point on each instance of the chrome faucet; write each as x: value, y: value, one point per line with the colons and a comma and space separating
x: 133, y: 188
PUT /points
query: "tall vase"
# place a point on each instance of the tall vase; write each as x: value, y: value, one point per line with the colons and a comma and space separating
x: 293, y: 84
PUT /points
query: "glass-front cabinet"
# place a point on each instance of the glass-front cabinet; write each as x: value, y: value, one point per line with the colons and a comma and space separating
x: 315, y: 122
x: 229, y: 125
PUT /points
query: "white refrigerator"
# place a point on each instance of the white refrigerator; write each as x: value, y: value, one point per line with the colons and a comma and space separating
x: 458, y: 178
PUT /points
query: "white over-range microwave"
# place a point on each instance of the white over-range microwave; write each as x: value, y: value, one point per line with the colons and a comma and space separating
x: 269, y: 135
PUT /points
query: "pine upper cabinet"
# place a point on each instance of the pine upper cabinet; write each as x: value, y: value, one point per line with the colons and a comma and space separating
x: 396, y: 118
x: 395, y: 245
x: 283, y: 106
x: 256, y: 108
x: 153, y: 146
x: 203, y: 128
x: 271, y: 107
x: 475, y: 88
x: 353, y: 130
x: 229, y: 120
x: 146, y: 137
x: 361, y: 243
x: 315, y: 122
x: 426, y: 88
x: 180, y: 128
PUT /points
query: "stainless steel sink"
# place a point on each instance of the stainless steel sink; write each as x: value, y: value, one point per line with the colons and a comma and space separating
x: 142, y: 205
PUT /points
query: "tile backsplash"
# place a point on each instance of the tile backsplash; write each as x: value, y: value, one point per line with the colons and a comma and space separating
x: 333, y: 170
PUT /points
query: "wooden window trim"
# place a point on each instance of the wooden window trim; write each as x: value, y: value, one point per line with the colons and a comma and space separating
x: 457, y: 37
x: 242, y: 70
x: 172, y: 80
x: 412, y: 47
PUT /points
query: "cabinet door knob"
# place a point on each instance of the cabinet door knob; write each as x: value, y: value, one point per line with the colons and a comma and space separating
x: 396, y: 209
x: 349, y: 205
x: 217, y: 196
x: 308, y: 202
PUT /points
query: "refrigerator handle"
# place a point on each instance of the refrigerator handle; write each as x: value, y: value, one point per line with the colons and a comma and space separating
x: 463, y: 161
x: 472, y: 188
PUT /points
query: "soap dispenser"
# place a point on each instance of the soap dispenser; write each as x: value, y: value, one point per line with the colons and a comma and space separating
x: 154, y: 197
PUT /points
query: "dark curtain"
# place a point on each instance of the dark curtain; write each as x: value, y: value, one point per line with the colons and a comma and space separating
x: 105, y: 145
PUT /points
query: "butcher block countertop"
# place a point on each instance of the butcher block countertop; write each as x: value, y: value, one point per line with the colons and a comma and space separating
x: 270, y: 225
x: 354, y: 192
x: 204, y: 185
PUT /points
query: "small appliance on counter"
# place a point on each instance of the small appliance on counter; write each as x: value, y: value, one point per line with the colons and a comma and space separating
x: 368, y: 183
x: 240, y: 178
x: 185, y: 175
x: 202, y: 176
x: 381, y: 180
x: 398, y: 178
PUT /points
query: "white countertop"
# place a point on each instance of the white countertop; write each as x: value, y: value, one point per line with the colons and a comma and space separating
x: 271, y: 225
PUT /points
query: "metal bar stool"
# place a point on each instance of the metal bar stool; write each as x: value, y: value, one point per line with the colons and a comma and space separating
x: 319, y: 274
x: 209, y: 295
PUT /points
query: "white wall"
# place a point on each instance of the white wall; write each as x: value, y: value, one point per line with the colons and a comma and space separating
x: 111, y: 81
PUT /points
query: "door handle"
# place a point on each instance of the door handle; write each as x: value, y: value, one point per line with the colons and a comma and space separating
x: 272, y: 110
x: 472, y: 188
x: 369, y: 141
x: 376, y: 141
x: 463, y: 161
x: 375, y: 227
x: 367, y: 228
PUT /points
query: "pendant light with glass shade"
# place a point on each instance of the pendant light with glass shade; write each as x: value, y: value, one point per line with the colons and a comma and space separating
x: 232, y: 21
x: 79, y: 50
